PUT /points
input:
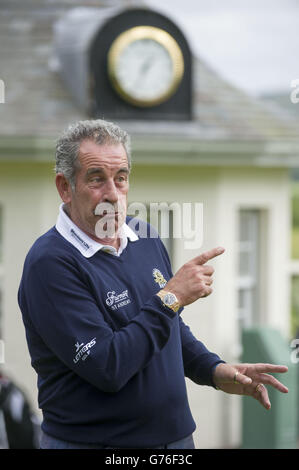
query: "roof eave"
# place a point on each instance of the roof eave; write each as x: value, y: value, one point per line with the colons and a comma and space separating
x: 171, y: 150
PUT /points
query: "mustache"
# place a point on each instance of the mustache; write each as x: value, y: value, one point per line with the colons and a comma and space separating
x: 105, y: 208
x: 110, y: 216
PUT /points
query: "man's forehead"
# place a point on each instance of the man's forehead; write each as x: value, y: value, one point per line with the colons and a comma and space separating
x: 90, y: 152
x: 90, y: 146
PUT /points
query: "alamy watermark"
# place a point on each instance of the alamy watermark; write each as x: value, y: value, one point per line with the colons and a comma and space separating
x: 294, y: 96
x: 175, y: 220
x: 295, y: 353
x: 2, y: 91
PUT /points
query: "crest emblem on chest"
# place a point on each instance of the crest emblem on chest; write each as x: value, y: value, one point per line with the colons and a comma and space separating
x: 159, y: 278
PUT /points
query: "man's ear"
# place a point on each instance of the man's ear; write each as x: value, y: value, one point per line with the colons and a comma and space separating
x: 64, y: 188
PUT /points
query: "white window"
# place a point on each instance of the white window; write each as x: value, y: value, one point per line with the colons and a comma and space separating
x: 249, y: 268
x: 162, y: 220
x: 160, y: 216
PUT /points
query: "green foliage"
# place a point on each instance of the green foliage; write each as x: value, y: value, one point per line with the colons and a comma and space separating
x: 295, y: 205
x: 295, y: 242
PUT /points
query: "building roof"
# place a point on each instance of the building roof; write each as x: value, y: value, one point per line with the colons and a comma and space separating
x: 38, y: 106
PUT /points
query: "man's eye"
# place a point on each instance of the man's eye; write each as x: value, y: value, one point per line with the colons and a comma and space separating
x: 96, y: 179
x: 121, y: 179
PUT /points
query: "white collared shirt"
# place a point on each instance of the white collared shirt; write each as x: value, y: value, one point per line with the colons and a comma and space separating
x: 86, y: 245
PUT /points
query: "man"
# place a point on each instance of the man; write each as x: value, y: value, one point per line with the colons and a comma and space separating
x: 106, y: 340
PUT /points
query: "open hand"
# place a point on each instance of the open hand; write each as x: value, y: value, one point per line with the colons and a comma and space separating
x: 249, y: 379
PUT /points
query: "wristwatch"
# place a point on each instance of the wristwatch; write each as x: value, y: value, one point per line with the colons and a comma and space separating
x: 169, y: 300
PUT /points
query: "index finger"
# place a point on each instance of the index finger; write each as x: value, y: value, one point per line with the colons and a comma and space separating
x: 272, y: 368
x: 207, y: 255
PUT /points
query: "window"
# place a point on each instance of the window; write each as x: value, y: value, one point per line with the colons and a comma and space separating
x: 160, y: 216
x: 162, y: 220
x: 248, y: 268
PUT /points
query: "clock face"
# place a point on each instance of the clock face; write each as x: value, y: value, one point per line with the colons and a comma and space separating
x: 169, y: 299
x: 145, y: 65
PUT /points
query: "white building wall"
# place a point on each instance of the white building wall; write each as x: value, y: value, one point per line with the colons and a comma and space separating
x: 268, y: 191
x: 29, y: 203
x: 194, y: 184
x: 213, y: 320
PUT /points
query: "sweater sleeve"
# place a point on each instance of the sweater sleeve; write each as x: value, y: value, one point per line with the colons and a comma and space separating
x: 199, y: 362
x: 63, y: 312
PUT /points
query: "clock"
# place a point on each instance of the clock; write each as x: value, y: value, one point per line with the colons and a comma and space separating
x: 145, y: 65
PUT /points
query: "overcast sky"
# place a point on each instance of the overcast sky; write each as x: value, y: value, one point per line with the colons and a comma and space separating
x: 252, y: 43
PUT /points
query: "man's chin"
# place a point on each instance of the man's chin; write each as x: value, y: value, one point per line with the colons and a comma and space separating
x: 108, y: 227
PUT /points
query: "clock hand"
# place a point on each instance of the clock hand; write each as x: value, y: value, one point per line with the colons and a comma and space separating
x: 145, y: 66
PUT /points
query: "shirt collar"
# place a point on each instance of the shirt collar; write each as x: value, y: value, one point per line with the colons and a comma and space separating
x: 86, y: 245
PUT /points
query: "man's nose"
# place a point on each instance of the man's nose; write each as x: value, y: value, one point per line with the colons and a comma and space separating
x: 111, y: 194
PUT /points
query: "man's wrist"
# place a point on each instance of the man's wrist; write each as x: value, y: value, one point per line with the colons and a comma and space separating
x: 213, y: 370
x: 169, y: 300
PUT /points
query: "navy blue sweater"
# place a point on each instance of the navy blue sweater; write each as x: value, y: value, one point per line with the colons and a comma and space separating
x: 110, y: 358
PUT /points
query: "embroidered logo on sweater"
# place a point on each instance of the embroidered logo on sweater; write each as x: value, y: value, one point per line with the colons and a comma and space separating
x: 83, y: 350
x: 116, y: 301
x: 159, y: 278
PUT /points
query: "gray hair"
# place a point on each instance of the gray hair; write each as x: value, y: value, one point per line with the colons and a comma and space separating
x: 100, y: 131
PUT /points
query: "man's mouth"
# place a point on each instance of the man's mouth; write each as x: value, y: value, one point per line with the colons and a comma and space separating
x: 107, y: 210
x: 109, y: 215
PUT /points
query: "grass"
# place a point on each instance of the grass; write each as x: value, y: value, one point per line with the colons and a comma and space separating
x: 295, y: 242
